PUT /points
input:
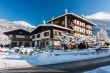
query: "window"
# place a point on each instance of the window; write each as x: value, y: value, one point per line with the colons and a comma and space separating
x: 80, y: 23
x: 38, y: 35
x: 10, y: 36
x: 33, y: 36
x: 84, y: 30
x: 20, y: 32
x: 13, y: 44
x: 63, y: 22
x: 20, y: 36
x: 59, y: 33
x: 84, y: 24
x: 47, y: 42
x: 26, y: 44
x: 43, y: 43
x: 46, y: 34
x: 33, y: 44
x: 55, y: 33
x: 76, y: 28
x: 27, y: 37
x: 79, y: 29
x: 75, y: 21
x: 20, y: 44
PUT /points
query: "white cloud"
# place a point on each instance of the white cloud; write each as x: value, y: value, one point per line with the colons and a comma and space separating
x: 99, y: 15
x: 23, y: 23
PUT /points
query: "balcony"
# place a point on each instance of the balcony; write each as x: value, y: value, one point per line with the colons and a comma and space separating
x: 21, y: 39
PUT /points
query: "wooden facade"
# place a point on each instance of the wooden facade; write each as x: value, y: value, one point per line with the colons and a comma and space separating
x: 46, y: 40
x: 19, y: 38
x: 73, y: 24
x: 78, y: 24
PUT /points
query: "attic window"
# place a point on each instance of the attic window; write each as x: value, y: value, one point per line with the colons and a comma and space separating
x: 20, y: 32
x: 63, y: 22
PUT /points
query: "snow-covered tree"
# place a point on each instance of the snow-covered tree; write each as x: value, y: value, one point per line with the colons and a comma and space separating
x: 102, y: 37
x: 4, y: 39
x: 91, y: 40
x: 67, y: 40
x: 79, y: 40
x: 72, y: 40
x: 64, y: 40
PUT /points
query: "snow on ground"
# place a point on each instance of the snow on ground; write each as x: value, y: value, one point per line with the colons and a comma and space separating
x: 45, y: 58
x: 105, y: 69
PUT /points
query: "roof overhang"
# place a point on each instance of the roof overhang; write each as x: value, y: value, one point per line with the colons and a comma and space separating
x: 52, y: 25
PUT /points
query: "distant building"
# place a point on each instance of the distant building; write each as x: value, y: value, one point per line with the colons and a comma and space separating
x: 19, y: 38
x: 47, y: 33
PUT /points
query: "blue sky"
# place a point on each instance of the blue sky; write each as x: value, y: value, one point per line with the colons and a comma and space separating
x: 34, y: 11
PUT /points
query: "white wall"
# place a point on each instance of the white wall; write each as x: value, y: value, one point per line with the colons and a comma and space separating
x: 41, y: 36
x: 56, y: 42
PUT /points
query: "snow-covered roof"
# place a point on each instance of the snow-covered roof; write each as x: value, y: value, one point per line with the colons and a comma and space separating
x: 73, y: 15
x: 52, y: 25
x: 16, y: 30
x: 55, y: 26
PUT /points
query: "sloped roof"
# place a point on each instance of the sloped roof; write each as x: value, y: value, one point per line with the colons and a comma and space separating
x: 16, y: 30
x: 51, y: 25
x: 55, y: 26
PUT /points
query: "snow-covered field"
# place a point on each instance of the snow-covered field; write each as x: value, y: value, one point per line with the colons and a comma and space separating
x: 57, y: 56
x: 105, y: 69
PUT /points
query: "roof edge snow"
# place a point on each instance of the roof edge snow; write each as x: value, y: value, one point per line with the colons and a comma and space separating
x: 73, y: 15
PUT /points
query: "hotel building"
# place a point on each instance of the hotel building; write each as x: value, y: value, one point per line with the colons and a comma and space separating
x: 47, y: 33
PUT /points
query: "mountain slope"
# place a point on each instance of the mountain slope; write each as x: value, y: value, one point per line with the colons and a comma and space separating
x: 101, y: 19
x: 101, y: 23
x: 6, y: 25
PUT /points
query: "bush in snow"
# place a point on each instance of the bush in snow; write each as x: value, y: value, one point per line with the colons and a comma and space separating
x: 26, y: 51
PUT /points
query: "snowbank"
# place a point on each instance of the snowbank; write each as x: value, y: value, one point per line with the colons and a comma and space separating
x: 46, y: 58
